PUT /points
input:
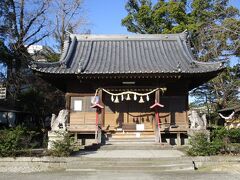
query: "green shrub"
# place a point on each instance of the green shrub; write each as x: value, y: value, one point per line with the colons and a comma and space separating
x: 219, y: 133
x: 199, y: 145
x: 11, y: 141
x: 234, y: 135
x: 64, y: 147
x: 15, y: 140
x: 222, y: 141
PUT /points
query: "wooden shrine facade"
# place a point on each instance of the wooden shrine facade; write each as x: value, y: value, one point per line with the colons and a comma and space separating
x: 111, y: 81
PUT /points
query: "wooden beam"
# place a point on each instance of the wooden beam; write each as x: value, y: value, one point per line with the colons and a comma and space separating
x: 100, y: 95
x: 67, y: 105
x: 79, y: 94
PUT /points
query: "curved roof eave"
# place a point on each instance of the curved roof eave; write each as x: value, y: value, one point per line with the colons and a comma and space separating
x: 112, y: 49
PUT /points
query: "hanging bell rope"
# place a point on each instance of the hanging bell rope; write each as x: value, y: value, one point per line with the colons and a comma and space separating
x: 116, y: 100
x: 135, y: 97
x: 112, y: 98
x: 141, y: 100
x: 127, y: 95
x: 132, y: 92
x: 147, y: 98
x: 122, y: 97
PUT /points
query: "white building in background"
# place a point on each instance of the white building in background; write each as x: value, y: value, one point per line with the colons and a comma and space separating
x: 34, y: 49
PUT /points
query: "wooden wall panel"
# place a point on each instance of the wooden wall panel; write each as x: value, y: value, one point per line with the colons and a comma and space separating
x: 110, y: 121
x: 130, y: 112
x: 77, y: 118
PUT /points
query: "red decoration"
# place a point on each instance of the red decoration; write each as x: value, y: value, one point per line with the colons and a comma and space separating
x: 98, y: 108
x: 156, y: 106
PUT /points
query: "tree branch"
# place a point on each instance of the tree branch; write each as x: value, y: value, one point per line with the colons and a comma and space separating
x: 14, y: 18
x: 34, y: 33
x: 37, y: 40
x: 21, y: 20
x: 41, y: 11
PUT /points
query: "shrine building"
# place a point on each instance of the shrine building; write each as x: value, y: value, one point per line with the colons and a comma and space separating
x: 128, y: 86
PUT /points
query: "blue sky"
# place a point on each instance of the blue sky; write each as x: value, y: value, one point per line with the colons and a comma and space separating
x: 105, y: 16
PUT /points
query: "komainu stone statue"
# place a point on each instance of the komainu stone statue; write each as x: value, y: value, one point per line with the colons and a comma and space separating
x: 197, y: 122
x: 59, y: 123
x: 58, y: 128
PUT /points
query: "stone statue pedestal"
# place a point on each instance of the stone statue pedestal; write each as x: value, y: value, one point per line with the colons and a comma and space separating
x: 58, y: 126
x: 54, y: 136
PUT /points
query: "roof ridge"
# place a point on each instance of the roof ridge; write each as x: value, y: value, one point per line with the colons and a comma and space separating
x: 182, y: 35
x: 154, y: 55
x: 62, y: 59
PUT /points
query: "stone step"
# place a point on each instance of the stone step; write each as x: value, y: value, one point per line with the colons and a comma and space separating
x: 132, y: 139
x: 132, y: 136
x: 136, y: 146
x: 79, y: 159
x: 132, y: 143
x: 103, y: 167
x: 131, y: 165
x: 126, y: 155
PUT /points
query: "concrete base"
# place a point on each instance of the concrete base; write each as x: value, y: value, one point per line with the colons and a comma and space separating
x: 53, y: 137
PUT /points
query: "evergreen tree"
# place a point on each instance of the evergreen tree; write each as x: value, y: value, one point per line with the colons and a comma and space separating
x: 214, y: 25
x: 214, y: 29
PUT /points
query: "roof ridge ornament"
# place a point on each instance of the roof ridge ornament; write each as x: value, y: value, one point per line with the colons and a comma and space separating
x: 68, y: 33
x: 184, y: 35
x: 63, y: 65
x: 179, y: 68
x: 193, y: 64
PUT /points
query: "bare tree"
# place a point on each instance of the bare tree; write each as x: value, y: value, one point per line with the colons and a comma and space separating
x: 68, y: 18
x: 23, y: 23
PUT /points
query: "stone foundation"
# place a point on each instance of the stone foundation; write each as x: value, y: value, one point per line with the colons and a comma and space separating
x: 53, y: 137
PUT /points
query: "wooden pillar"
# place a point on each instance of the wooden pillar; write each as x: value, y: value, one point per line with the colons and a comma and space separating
x: 157, y: 95
x: 75, y: 137
x: 99, y: 126
x: 178, y: 139
x: 157, y: 119
x: 186, y: 94
x: 68, y: 105
x: 100, y: 117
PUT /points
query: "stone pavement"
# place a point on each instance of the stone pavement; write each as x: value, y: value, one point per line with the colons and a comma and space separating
x: 121, y: 159
x: 131, y: 154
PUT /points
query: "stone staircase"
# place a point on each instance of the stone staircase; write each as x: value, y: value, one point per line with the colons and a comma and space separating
x: 129, y: 157
x: 133, y: 137
x: 130, y: 165
x: 130, y: 151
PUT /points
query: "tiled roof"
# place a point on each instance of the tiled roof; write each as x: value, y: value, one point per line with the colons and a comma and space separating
x: 124, y: 54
